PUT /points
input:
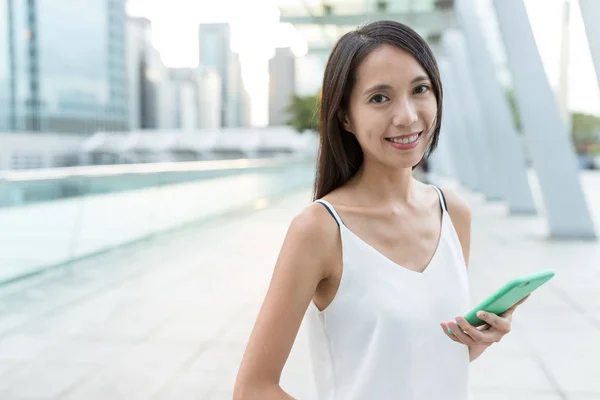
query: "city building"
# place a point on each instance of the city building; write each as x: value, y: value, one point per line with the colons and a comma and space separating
x: 237, y: 100
x: 215, y: 53
x: 282, y: 84
x: 196, y: 98
x: 168, y: 98
x: 59, y: 73
x: 210, y: 98
x: 143, y: 63
x: 6, y: 65
x: 30, y: 150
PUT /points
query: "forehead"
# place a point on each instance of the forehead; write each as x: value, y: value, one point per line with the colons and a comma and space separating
x: 388, y: 64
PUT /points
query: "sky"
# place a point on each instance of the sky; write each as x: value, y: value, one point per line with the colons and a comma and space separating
x: 256, y: 31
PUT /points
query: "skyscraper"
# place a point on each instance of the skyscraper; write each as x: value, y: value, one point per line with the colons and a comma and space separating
x: 237, y: 100
x: 6, y: 104
x: 216, y: 54
x: 210, y: 98
x: 62, y: 65
x: 141, y: 60
x: 282, y: 84
x: 196, y: 96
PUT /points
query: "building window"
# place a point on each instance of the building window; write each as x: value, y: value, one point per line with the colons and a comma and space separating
x: 26, y: 161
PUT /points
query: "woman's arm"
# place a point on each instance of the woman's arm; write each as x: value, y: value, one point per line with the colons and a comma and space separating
x: 497, y: 326
x: 476, y: 351
x: 460, y: 213
x: 304, y: 260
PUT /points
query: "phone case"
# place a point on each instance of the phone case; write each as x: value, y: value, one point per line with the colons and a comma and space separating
x: 509, y: 295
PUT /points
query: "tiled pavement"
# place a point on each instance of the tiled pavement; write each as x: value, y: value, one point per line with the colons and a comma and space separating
x: 169, y: 318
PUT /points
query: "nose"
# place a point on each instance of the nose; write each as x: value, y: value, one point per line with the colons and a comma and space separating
x: 405, y: 113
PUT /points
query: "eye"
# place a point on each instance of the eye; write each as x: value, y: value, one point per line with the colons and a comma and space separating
x: 422, y: 89
x: 378, y: 99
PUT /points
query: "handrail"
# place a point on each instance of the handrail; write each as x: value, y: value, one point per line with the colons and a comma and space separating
x: 49, y: 174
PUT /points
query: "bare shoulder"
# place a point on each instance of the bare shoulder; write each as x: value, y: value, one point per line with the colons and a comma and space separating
x: 315, y: 231
x: 302, y: 264
x: 458, y: 208
x: 314, y: 223
x: 460, y: 213
x: 312, y: 220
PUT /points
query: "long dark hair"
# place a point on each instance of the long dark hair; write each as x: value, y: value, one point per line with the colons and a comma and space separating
x: 340, y: 155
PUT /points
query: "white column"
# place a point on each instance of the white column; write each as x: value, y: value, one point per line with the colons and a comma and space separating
x: 442, y: 162
x: 590, y: 10
x: 454, y: 130
x: 499, y: 125
x: 467, y: 105
x: 551, y: 150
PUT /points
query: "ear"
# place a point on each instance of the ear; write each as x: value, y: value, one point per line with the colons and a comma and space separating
x: 345, y: 121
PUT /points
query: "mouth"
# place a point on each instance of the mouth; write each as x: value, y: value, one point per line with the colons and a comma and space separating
x: 406, y: 141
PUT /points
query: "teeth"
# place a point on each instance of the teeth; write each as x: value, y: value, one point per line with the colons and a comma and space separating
x: 405, y: 140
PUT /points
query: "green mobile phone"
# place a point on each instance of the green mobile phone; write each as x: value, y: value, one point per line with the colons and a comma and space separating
x: 508, y: 295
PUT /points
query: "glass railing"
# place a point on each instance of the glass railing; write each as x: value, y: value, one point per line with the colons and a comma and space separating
x: 51, y: 217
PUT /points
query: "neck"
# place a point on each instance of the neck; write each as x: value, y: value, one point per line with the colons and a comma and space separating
x: 381, y: 184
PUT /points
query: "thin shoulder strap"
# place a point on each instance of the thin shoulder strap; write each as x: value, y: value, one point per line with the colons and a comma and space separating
x: 442, y: 198
x: 332, y: 211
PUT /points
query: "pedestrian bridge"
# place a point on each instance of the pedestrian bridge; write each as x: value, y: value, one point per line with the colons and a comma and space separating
x: 167, y: 317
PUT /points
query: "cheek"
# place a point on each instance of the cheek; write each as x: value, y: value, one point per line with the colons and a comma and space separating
x: 365, y: 135
x: 370, y: 136
x: 368, y: 125
x: 429, y: 115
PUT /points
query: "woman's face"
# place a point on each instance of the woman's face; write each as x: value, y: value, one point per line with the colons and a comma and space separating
x: 392, y: 108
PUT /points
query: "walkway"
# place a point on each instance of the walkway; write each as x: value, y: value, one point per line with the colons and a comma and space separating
x: 168, y: 318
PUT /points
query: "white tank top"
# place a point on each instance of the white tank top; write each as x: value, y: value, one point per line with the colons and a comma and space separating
x: 380, y: 337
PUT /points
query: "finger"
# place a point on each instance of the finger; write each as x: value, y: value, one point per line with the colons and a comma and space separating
x: 463, y: 337
x: 448, y: 332
x: 451, y: 336
x: 495, y: 321
x: 473, y: 332
x: 485, y: 334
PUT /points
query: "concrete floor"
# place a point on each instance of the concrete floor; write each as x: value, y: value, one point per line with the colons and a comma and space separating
x: 169, y: 318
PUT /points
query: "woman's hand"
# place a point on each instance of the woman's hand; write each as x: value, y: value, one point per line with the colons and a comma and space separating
x: 496, y: 326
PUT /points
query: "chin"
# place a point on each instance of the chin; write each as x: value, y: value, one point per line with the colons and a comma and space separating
x: 411, y: 160
x: 408, y: 163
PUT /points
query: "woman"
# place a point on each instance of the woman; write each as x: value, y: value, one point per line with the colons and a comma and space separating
x: 379, y: 259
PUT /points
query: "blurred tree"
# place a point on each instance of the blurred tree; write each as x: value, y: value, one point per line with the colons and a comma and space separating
x: 303, y: 113
x: 512, y: 100
x: 585, y: 131
x: 382, y: 5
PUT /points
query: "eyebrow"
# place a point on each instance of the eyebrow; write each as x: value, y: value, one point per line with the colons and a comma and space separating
x: 385, y: 86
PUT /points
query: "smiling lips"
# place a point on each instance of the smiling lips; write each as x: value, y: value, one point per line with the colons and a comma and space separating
x: 406, y: 141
